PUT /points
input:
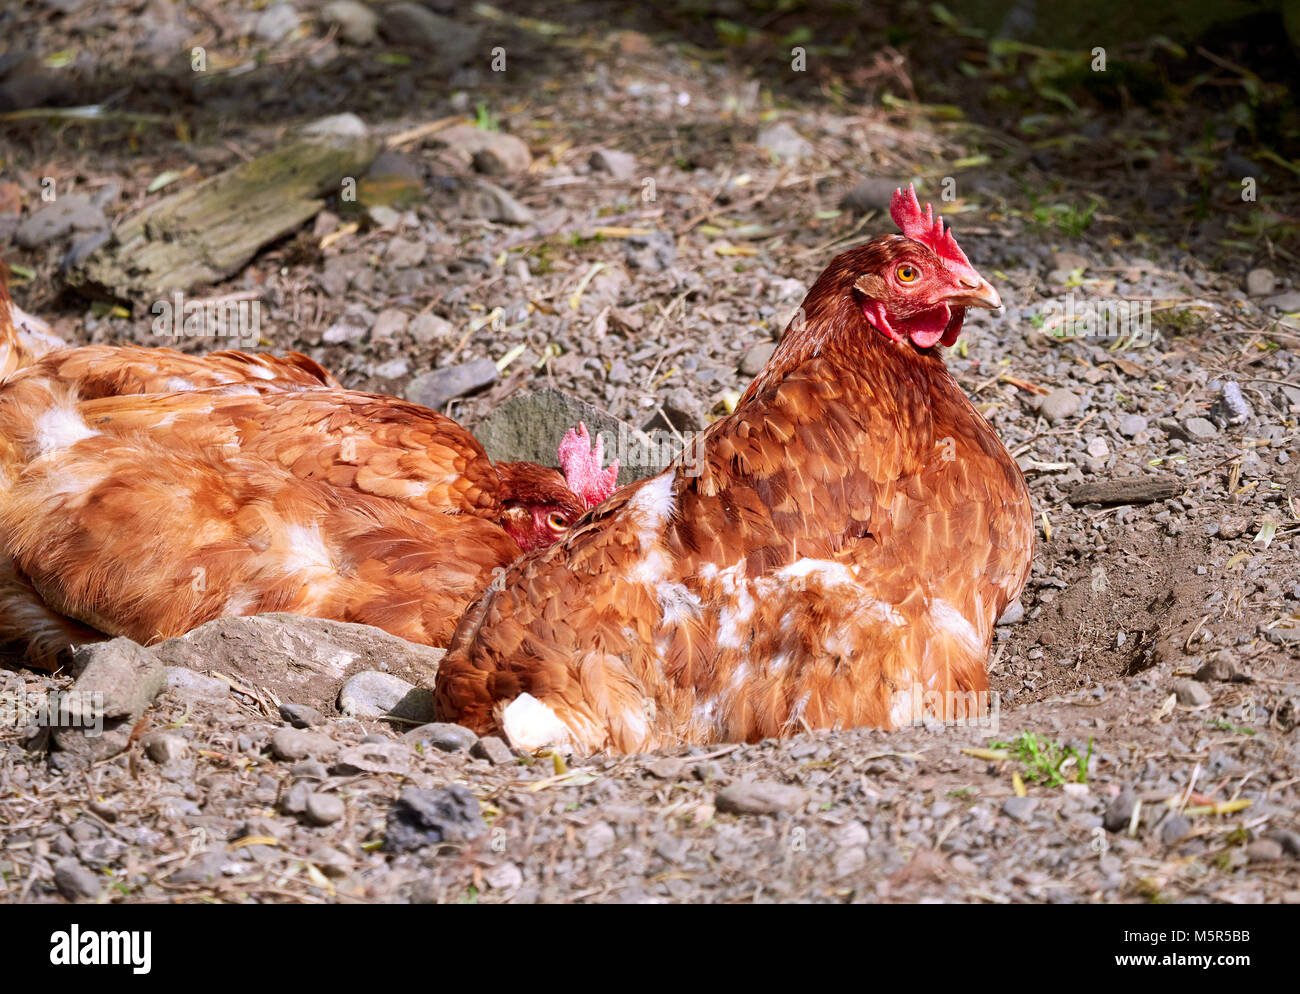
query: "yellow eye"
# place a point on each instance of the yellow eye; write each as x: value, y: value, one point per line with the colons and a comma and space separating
x: 906, y: 274
x: 556, y: 521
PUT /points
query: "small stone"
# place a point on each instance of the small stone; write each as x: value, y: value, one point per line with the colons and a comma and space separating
x: 389, y: 323
x: 1174, y: 830
x: 165, y: 747
x: 275, y: 23
x: 1232, y: 526
x: 202, y: 870
x: 620, y: 165
x: 430, y: 329
x: 1200, y: 429
x: 292, y: 744
x: 308, y: 769
x: 1231, y: 407
x: 301, y: 715
x: 443, y: 736
x: 1013, y: 614
x: 1264, y: 850
x: 357, y: 23
x: 666, y: 768
x: 373, y: 694
x: 672, y: 848
x: 1097, y: 448
x: 430, y: 817
x: 294, y: 800
x: 350, y: 327
x: 1287, y: 839
x: 1260, y: 282
x: 346, y: 125
x: 490, y: 202
x: 393, y: 369
x: 503, y: 877
x: 1059, y: 405
x: 651, y: 253
x: 494, y: 153
x: 1286, y: 302
x: 1219, y: 667
x: 1132, y: 424
x: 756, y: 358
x: 330, y: 861
x: 870, y: 195
x: 1120, y: 811
x: 596, y: 839
x: 451, y: 42
x: 1020, y: 809
x: 760, y: 797
x: 72, y: 213
x: 1191, y: 694
x: 373, y: 757
x: 435, y: 388
x: 404, y: 253
x: 494, y: 750
x: 781, y: 141
x: 324, y: 809
x: 77, y: 883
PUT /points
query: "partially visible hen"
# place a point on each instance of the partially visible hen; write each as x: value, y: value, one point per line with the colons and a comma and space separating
x: 840, y: 558
x: 262, y: 486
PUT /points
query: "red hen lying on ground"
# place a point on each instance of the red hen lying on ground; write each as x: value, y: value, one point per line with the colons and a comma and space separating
x: 853, y: 533
x: 146, y: 491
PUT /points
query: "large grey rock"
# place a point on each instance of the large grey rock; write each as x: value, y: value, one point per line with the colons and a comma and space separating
x: 304, y: 660
x: 529, y: 427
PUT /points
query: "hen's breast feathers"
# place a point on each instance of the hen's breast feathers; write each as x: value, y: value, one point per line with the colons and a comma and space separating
x: 849, y: 535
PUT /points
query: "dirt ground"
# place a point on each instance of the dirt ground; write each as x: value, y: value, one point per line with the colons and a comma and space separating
x: 1149, y: 692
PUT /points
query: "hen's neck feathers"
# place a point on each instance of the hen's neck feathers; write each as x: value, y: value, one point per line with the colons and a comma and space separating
x: 830, y: 326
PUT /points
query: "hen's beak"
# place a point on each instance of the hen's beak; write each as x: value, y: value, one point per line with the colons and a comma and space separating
x: 972, y: 294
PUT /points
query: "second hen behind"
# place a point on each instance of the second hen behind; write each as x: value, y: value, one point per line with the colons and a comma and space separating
x: 261, y: 486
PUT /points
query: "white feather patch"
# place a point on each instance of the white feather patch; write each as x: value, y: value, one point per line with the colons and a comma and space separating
x: 947, y: 618
x: 60, y: 427
x: 530, y: 725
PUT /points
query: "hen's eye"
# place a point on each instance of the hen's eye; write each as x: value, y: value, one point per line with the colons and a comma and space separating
x: 906, y: 274
x: 556, y: 521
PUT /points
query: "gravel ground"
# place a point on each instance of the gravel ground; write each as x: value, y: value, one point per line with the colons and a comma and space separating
x: 668, y: 215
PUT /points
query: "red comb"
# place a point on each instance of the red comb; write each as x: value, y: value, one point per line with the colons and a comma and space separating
x: 580, y: 461
x: 927, y: 229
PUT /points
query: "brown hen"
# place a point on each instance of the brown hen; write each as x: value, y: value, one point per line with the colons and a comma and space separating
x: 840, y: 558
x: 263, y: 486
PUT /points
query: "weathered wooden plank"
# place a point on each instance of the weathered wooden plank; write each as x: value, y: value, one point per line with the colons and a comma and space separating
x: 1132, y: 490
x: 210, y: 231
